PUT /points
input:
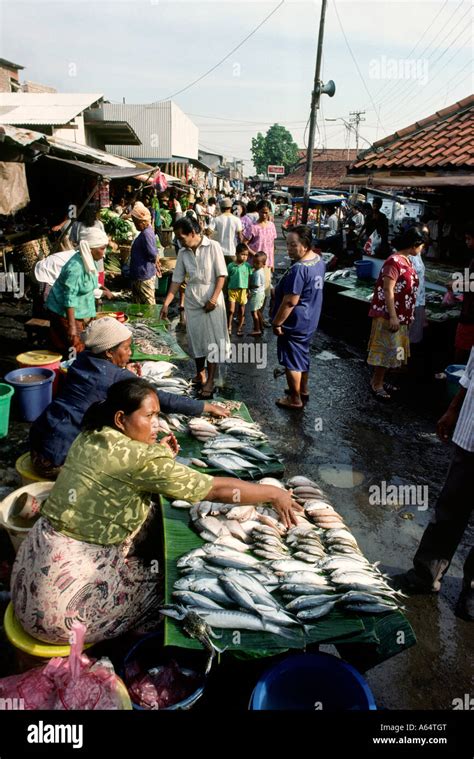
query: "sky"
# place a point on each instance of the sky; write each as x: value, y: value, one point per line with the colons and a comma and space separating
x: 397, y: 61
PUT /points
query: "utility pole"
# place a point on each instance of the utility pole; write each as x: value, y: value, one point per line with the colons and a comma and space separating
x: 315, y: 96
x: 356, y: 119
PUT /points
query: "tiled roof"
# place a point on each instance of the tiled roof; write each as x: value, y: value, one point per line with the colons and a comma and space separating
x: 443, y: 140
x: 329, y: 168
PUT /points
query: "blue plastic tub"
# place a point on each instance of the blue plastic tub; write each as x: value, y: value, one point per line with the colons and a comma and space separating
x: 452, y: 382
x: 363, y: 269
x: 312, y: 682
x: 31, y: 397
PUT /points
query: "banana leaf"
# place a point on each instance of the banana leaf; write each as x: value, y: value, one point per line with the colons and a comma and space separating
x: 143, y: 312
x: 166, y: 337
x: 337, y: 627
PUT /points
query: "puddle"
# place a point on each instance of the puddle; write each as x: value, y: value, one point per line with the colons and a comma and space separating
x: 341, y: 476
x: 326, y: 356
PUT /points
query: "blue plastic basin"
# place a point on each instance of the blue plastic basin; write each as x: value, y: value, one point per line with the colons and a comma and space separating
x: 312, y: 682
x: 31, y: 398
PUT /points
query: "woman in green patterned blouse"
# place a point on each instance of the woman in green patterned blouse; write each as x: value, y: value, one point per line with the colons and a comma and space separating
x: 79, y: 561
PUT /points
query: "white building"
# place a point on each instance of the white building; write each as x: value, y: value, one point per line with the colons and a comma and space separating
x: 77, y: 118
x: 164, y: 130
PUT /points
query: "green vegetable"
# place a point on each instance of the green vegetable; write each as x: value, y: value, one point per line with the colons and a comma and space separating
x: 119, y: 229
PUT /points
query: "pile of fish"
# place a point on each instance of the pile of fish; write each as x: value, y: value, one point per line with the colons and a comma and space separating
x: 254, y: 574
x: 149, y: 341
x: 231, y: 444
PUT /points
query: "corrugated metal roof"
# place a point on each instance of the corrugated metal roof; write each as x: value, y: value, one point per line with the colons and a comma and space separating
x: 22, y: 137
x: 98, y: 156
x: 52, y: 108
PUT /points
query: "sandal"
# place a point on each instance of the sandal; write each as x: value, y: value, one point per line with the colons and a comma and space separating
x: 283, y: 403
x: 255, y: 334
x: 391, y: 388
x: 381, y: 394
x: 240, y: 334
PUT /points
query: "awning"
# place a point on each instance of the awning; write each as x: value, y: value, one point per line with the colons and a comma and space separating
x: 114, y: 132
x: 100, y: 170
x: 410, y: 180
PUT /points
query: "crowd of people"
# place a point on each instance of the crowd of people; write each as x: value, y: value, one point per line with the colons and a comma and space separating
x: 99, y: 435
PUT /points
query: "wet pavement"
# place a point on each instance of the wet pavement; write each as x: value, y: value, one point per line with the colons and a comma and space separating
x: 348, y: 441
x: 348, y: 437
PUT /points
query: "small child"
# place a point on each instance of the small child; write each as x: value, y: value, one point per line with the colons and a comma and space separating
x: 257, y: 292
x: 237, y: 286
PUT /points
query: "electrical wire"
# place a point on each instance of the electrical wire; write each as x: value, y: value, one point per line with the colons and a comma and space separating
x: 213, y: 68
x: 400, y: 87
x: 355, y: 62
x: 390, y: 83
x: 432, y: 78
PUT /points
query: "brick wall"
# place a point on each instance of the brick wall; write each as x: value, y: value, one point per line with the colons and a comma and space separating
x: 36, y: 87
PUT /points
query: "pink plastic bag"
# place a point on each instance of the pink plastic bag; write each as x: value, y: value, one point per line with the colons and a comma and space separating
x: 65, y: 684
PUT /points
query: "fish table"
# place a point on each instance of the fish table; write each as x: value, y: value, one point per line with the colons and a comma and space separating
x: 191, y: 448
x: 366, y: 639
x: 149, y: 315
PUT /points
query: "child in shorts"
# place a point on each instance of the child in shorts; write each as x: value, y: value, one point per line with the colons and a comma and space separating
x: 257, y: 292
x: 237, y: 286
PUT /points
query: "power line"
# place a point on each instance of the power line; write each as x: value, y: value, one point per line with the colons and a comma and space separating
x: 415, y: 95
x: 242, y: 121
x: 398, y: 86
x: 389, y: 83
x: 409, y: 83
x: 213, y: 68
x: 415, y: 115
x: 355, y: 61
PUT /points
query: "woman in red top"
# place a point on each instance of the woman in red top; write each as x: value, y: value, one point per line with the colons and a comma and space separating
x: 393, y: 310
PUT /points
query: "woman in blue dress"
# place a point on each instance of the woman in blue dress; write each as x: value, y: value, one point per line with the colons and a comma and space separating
x: 298, y: 302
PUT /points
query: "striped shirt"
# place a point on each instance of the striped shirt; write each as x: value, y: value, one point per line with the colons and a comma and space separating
x: 464, y: 432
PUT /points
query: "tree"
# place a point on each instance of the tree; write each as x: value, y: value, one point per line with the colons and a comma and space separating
x: 258, y: 153
x: 276, y: 148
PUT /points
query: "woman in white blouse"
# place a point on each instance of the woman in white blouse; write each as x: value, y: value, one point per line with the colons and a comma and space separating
x: 201, y: 261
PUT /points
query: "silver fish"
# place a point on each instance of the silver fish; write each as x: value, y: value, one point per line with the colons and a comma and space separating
x: 237, y: 620
x: 188, y: 559
x: 181, y: 504
x: 370, y: 608
x: 189, y: 598
x: 301, y: 589
x: 307, y: 557
x: 239, y: 594
x: 237, y: 561
x: 312, y: 601
x: 309, y: 615
x: 306, y: 578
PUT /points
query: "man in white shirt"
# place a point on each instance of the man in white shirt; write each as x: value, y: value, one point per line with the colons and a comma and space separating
x: 359, y: 219
x: 453, y: 507
x: 332, y: 221
x: 228, y: 228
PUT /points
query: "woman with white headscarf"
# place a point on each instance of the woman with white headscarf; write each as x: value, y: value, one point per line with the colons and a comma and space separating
x: 71, y: 302
x: 144, y: 264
